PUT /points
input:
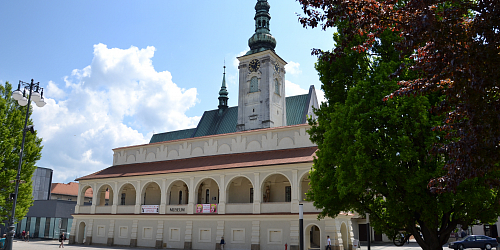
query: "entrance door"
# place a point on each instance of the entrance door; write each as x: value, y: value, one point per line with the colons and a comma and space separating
x: 362, y: 232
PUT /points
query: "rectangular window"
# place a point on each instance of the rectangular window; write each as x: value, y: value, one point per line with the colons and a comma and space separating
x: 147, y: 232
x: 238, y: 235
x: 101, y: 231
x: 123, y: 233
x: 205, y: 235
x: 123, y: 199
x: 251, y: 195
x: 174, y: 234
x: 288, y: 193
x: 276, y: 87
x: 254, y: 84
x: 274, y: 236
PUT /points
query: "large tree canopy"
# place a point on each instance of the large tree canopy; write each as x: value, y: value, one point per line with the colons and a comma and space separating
x: 455, y: 47
x: 373, y: 154
x: 12, y: 118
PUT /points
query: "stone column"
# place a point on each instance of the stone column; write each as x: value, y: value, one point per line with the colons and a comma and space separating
x: 72, y: 234
x: 295, y: 191
x: 133, y: 235
x: 94, y: 198
x: 192, y: 194
x: 138, y: 192
x: 88, y: 238
x: 114, y: 206
x: 221, y: 207
x: 257, y: 194
x: 255, y: 235
x: 159, y: 235
x: 163, y: 201
x: 111, y: 233
x: 188, y: 235
x: 220, y: 233
x: 294, y: 235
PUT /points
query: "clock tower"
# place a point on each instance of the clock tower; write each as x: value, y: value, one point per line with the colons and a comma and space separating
x: 261, y: 99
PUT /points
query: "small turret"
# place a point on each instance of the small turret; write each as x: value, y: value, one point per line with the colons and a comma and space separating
x: 223, y: 92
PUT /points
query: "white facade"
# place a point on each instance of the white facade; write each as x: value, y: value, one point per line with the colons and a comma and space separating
x: 268, y: 219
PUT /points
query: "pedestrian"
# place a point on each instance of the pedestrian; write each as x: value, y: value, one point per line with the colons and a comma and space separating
x: 328, y: 243
x: 28, y: 236
x: 23, y: 235
x: 62, y: 238
x: 222, y: 243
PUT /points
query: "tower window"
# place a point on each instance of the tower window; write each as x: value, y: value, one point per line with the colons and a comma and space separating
x: 276, y: 87
x: 254, y: 84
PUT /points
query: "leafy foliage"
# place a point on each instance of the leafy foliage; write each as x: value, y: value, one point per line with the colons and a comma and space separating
x: 455, y: 47
x: 373, y: 154
x: 12, y: 118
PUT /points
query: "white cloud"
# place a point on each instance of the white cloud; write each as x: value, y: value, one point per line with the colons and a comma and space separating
x: 118, y: 100
x: 293, y: 68
x: 236, y: 62
x: 294, y: 89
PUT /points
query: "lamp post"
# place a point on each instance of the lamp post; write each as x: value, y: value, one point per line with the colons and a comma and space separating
x: 35, y: 93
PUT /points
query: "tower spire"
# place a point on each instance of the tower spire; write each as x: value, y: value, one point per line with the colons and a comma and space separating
x: 223, y: 91
x: 262, y: 38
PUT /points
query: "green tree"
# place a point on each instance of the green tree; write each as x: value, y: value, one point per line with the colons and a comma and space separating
x: 373, y: 155
x: 456, y: 49
x: 12, y: 117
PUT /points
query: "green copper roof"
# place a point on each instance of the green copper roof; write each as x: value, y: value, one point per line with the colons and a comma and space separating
x: 218, y: 121
x: 295, y: 106
x: 223, y: 121
x: 173, y: 135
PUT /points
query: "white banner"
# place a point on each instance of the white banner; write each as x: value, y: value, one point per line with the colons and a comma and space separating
x: 150, y: 209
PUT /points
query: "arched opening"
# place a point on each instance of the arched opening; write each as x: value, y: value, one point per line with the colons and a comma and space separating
x: 345, y: 236
x: 240, y: 190
x: 127, y: 195
x: 178, y: 193
x: 151, y: 194
x: 312, y: 237
x: 208, y: 192
x: 276, y: 188
x: 105, y: 196
x: 86, y: 196
x: 81, y: 233
x: 304, y: 187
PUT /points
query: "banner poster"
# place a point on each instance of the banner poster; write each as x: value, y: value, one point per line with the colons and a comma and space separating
x: 150, y: 209
x: 206, y: 208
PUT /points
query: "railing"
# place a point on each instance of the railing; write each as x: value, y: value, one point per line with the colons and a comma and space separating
x: 275, y: 207
x: 176, y: 209
x: 239, y: 208
x: 84, y: 210
x: 103, y: 209
x: 125, y: 209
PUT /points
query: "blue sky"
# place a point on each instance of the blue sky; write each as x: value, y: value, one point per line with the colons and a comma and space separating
x: 114, y: 72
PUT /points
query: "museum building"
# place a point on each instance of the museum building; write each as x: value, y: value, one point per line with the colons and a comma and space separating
x: 240, y: 174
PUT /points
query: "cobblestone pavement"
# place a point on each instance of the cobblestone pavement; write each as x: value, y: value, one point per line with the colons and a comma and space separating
x: 54, y: 244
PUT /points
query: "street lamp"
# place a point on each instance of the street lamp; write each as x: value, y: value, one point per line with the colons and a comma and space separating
x: 35, y: 93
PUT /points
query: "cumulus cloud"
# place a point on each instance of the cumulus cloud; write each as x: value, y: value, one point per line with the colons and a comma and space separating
x: 118, y: 100
x: 293, y: 68
x: 295, y: 89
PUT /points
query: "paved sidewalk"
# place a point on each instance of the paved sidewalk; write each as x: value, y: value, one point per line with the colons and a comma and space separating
x: 37, y: 244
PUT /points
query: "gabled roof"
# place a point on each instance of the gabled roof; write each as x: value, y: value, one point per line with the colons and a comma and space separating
x: 68, y: 189
x: 223, y: 121
x: 204, y: 163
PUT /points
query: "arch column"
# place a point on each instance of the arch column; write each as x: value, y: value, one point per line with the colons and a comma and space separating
x: 221, y: 207
x: 257, y: 194
x: 138, y: 192
x: 295, y: 191
x: 114, y: 206
x: 163, y: 193
x: 94, y: 198
x: 190, y: 209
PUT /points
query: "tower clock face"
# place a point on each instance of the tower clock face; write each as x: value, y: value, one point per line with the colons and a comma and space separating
x: 254, y: 65
x: 276, y: 67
